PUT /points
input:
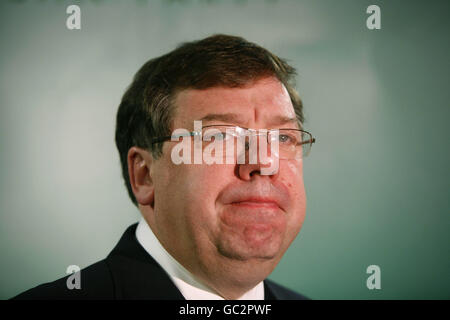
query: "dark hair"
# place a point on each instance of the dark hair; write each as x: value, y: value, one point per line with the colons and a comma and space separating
x: 147, y: 106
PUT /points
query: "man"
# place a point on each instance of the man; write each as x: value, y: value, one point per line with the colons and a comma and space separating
x: 209, y: 230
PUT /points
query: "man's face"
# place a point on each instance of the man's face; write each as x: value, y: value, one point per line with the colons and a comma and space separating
x: 205, y: 214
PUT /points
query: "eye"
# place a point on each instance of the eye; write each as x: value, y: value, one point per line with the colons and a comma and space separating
x: 217, y: 135
x: 221, y: 136
x: 286, y: 139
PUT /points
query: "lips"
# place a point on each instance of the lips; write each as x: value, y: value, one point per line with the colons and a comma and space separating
x: 257, y: 216
x: 257, y: 202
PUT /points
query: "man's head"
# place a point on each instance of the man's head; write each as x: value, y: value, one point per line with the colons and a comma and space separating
x: 226, y: 223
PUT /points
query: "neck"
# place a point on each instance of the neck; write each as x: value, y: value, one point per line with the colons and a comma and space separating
x: 231, y: 278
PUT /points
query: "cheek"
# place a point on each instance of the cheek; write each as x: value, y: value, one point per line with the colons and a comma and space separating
x: 194, y: 190
x: 185, y: 204
x: 206, y: 181
x: 200, y: 209
x: 292, y: 177
x: 293, y: 180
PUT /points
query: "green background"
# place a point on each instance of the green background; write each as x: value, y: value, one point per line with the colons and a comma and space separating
x: 376, y: 100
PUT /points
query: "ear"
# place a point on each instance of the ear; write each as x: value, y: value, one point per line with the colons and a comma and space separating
x: 139, y: 164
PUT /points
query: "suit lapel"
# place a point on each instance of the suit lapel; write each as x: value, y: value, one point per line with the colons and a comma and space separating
x: 268, y: 292
x: 136, y: 275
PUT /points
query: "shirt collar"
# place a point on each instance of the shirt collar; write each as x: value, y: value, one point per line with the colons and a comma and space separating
x: 189, y: 286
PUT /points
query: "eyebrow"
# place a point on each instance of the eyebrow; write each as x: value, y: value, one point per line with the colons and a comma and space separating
x: 225, y: 117
x: 235, y: 118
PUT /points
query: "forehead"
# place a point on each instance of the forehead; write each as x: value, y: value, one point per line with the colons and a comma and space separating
x: 264, y: 103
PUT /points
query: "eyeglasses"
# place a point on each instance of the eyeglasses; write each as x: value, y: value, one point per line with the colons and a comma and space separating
x: 292, y: 143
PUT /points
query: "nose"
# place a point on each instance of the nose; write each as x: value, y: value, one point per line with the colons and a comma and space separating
x: 269, y: 166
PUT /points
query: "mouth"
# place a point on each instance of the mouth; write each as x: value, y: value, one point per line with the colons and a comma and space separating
x: 256, y: 203
x: 254, y: 224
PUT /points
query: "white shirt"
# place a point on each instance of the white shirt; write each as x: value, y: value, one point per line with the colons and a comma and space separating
x: 189, y: 286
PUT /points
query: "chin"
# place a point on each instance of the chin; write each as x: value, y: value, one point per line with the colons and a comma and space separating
x: 250, y: 245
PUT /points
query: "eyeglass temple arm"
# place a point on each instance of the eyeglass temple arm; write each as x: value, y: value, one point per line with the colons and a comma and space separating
x: 162, y: 139
x: 309, y: 141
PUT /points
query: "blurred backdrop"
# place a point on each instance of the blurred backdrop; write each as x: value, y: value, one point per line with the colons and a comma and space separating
x: 377, y: 101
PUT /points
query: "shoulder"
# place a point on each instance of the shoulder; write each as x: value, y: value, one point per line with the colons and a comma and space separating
x: 96, y: 283
x: 128, y: 272
x: 279, y: 292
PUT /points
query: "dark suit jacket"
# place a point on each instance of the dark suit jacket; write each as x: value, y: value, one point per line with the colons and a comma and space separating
x: 129, y: 272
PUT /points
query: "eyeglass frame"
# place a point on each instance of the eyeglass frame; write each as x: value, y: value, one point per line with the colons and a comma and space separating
x: 196, y: 133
